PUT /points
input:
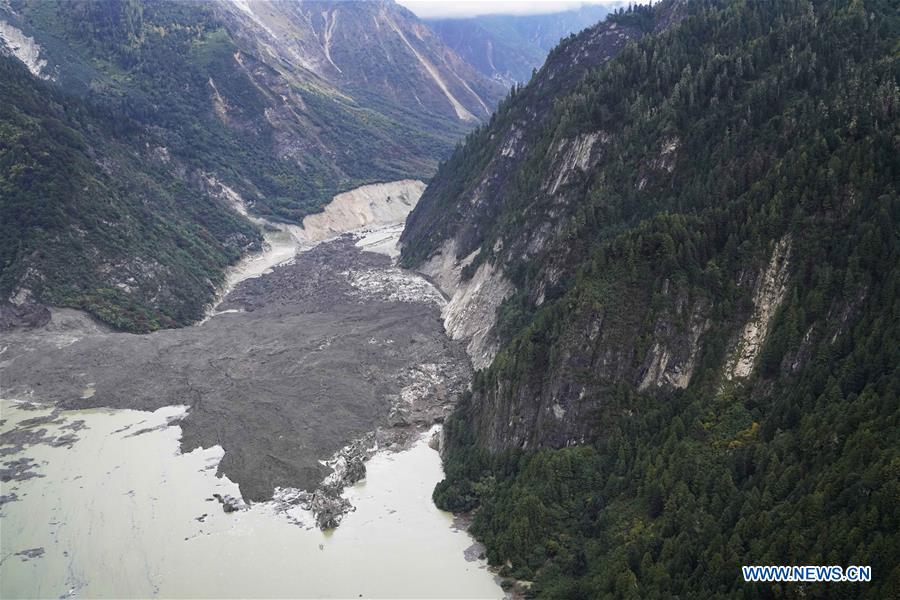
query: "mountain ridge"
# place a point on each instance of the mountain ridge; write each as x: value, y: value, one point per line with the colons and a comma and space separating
x: 508, y: 48
x: 247, y: 93
x: 678, y: 265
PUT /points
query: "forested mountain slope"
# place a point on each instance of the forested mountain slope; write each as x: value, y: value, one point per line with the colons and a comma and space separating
x: 694, y: 251
x: 109, y: 200
x: 94, y: 213
x: 507, y: 48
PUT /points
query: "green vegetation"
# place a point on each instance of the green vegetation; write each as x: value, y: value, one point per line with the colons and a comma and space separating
x: 164, y: 64
x: 104, y: 170
x: 77, y: 216
x: 786, y: 118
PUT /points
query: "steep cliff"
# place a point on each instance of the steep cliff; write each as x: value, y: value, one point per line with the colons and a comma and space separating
x: 690, y: 214
x: 449, y: 237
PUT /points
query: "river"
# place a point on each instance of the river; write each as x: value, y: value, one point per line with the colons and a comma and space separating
x: 96, y: 526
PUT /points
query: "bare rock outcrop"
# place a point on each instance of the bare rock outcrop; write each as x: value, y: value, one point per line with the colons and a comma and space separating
x: 769, y: 292
x: 471, y: 311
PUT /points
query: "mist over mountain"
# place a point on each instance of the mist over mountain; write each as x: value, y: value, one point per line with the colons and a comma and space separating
x: 508, y: 47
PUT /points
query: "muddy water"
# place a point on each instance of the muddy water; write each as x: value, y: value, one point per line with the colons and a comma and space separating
x: 121, y: 513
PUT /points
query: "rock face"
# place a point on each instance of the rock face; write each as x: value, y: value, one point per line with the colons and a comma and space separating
x: 470, y: 313
x: 768, y: 294
x: 24, y: 48
x: 503, y: 231
x: 559, y: 402
x: 575, y: 157
x: 465, y: 205
x: 451, y: 226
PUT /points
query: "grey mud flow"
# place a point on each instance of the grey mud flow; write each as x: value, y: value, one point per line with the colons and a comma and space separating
x: 123, y: 444
x: 299, y: 363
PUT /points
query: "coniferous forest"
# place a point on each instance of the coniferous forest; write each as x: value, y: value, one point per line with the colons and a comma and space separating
x: 786, y: 119
x: 672, y: 258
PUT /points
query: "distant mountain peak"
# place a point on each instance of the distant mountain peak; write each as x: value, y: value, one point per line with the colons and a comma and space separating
x: 508, y: 47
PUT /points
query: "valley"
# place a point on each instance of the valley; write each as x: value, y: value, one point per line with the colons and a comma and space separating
x: 126, y: 121
x: 321, y: 366
x: 282, y: 282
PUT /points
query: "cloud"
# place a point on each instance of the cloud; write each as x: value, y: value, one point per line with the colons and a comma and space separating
x: 427, y: 9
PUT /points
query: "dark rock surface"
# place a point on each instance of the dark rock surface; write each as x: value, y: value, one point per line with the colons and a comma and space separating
x: 24, y: 316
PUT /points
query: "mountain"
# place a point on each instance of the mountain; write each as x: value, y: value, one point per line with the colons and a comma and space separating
x: 508, y: 48
x: 376, y: 53
x: 112, y: 185
x: 675, y: 257
x: 95, y: 213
